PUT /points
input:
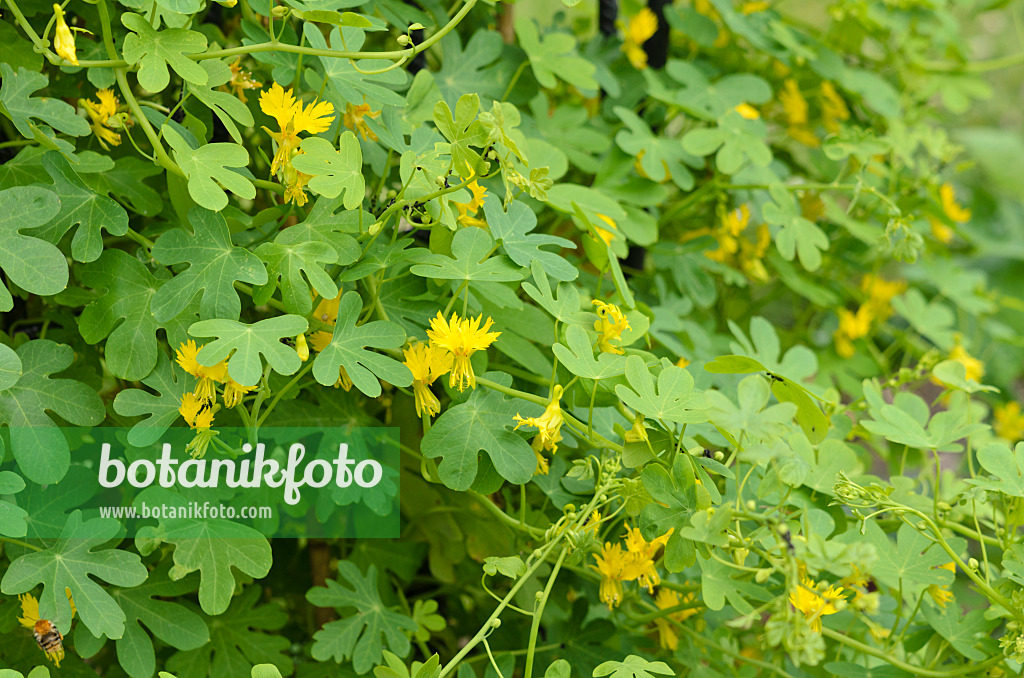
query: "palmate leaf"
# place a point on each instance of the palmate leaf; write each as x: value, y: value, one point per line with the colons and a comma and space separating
x: 17, y: 105
x: 209, y: 167
x: 348, y: 349
x: 211, y: 545
x: 799, y: 236
x: 154, y: 51
x: 566, y: 307
x: 463, y: 131
x: 578, y: 357
x: 662, y: 157
x: 334, y: 171
x: 328, y: 225
x: 38, y: 445
x: 12, y: 517
x: 246, y: 343
x: 470, y: 69
x: 912, y: 563
x: 554, y: 57
x: 633, y: 667
x: 346, y: 83
x: 675, y: 500
x: 214, y: 264
x: 702, y: 99
x: 1005, y: 465
x: 470, y: 261
x: 482, y: 423
x: 750, y: 415
x: 121, y: 313
x: 242, y: 636
x: 294, y: 264
x: 171, y: 622
x: 162, y: 409
x: 127, y: 183
x: 358, y: 635
x: 738, y: 142
x: 32, y: 264
x: 72, y: 563
x: 226, y: 106
x: 674, y: 400
x: 80, y: 206
x: 513, y: 228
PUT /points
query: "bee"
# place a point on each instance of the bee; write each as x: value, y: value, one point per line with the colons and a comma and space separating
x: 49, y: 639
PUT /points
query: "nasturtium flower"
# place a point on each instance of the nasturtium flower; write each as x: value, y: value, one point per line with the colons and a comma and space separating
x: 30, y: 620
x: 327, y: 310
x: 233, y: 391
x: 795, y: 107
x: 467, y: 210
x: 640, y: 28
x: 549, y: 426
x: 754, y: 7
x: 747, y: 112
x: 852, y: 326
x: 940, y: 231
x: 462, y: 337
x: 427, y: 363
x: 880, y: 293
x: 355, y: 120
x: 100, y: 112
x: 815, y: 605
x: 610, y: 564
x: 63, y: 38
x: 295, y: 184
x: 241, y: 80
x: 206, y: 387
x: 666, y: 600
x: 973, y: 368
x: 644, y: 551
x: 593, y: 523
x: 292, y: 119
x: 1009, y: 424
x: 951, y: 207
x: 197, y: 412
x: 941, y: 593
x: 607, y: 234
x: 833, y: 108
x: 611, y: 323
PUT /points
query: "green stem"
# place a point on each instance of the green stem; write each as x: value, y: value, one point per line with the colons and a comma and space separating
x: 20, y: 543
x: 973, y: 667
x: 539, y: 612
x: 277, y: 397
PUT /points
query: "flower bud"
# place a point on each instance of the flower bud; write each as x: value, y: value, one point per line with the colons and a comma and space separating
x: 404, y: 40
x: 973, y: 564
x: 281, y: 11
x: 762, y: 575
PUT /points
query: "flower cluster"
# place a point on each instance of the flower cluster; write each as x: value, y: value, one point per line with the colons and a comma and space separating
x: 641, y: 27
x: 737, y: 250
x: 635, y: 563
x: 815, y: 603
x: 293, y: 119
x: 854, y: 325
x: 461, y: 337
x: 199, y: 405
x: 796, y: 111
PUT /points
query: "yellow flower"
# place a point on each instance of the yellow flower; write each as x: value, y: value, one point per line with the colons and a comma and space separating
x: 793, y: 103
x: 327, y: 310
x: 233, y: 391
x: 644, y: 553
x: 641, y: 27
x: 605, y: 234
x: 665, y: 600
x: 747, y: 112
x: 100, y: 114
x: 302, y: 348
x: 852, y: 326
x: 63, y: 38
x: 973, y: 368
x: 426, y: 363
x: 880, y: 293
x: 593, y: 522
x: 950, y: 206
x: 354, y: 120
x: 833, y: 108
x: 754, y: 7
x: 941, y: 593
x: 638, y: 432
x: 30, y: 620
x: 548, y: 425
x: 292, y: 119
x: 941, y: 231
x: 814, y: 606
x: 197, y: 412
x: 468, y: 210
x: 207, y: 376
x: 610, y: 323
x: 240, y: 81
x: 610, y: 564
x: 320, y: 340
x: 1009, y: 424
x: 462, y: 338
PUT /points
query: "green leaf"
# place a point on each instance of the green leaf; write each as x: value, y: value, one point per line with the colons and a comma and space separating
x: 214, y: 264
x: 214, y: 546
x: 633, y: 667
x: 954, y: 373
x: 798, y: 363
x: 738, y: 142
x: 911, y: 564
x: 933, y: 319
x: 17, y: 105
x: 566, y: 307
x: 225, y: 105
x: 357, y: 637
x: 718, y: 585
x: 512, y: 567
x: 121, y: 313
x: 700, y: 98
x: 470, y: 260
x: 663, y: 157
x: 482, y: 423
x: 578, y: 357
x: 12, y: 517
x: 208, y: 165
x: 965, y: 632
x: 675, y: 500
x: 154, y: 51
x: 81, y: 206
x: 751, y: 416
x: 811, y: 419
x: 799, y: 236
x: 334, y: 172
x: 32, y: 264
x: 733, y: 364
x: 513, y: 228
x: 73, y: 563
x: 469, y: 69
x: 463, y: 131
x: 127, y: 183
x: 38, y: 445
x: 1005, y: 465
x: 161, y: 408
x: 325, y: 225
x: 288, y: 263
x: 674, y: 400
x: 243, y: 635
x: 348, y: 349
x: 246, y: 343
x: 171, y: 622
x: 554, y: 56
x: 346, y: 83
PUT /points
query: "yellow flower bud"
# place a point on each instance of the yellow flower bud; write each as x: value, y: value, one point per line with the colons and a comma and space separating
x: 301, y: 347
x: 63, y: 39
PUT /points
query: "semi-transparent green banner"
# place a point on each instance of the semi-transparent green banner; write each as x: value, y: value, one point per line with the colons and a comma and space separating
x: 280, y: 482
